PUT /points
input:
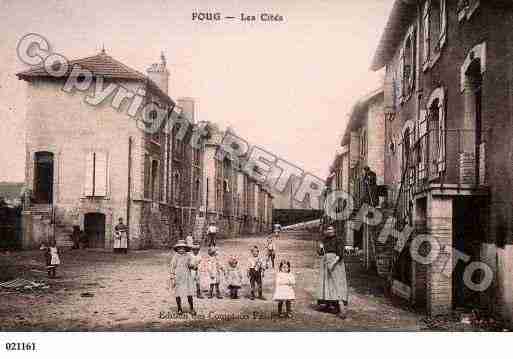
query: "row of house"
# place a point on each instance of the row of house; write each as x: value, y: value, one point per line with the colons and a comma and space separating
x: 438, y: 136
x: 88, y: 163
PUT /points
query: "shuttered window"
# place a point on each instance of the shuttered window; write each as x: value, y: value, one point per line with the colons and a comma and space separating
x: 96, y: 176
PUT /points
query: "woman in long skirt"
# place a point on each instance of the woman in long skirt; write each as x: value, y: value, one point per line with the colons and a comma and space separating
x: 332, y: 276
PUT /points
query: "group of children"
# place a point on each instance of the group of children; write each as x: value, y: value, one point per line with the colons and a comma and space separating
x: 187, y: 270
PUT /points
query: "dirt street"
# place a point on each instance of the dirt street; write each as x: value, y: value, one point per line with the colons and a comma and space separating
x: 101, y: 291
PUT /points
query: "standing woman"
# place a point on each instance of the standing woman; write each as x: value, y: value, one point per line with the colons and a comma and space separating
x: 332, y: 275
x: 120, y: 237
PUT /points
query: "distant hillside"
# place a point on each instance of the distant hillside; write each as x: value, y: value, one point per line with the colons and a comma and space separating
x: 10, y: 189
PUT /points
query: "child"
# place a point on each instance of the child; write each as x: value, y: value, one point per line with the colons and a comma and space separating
x: 284, y: 289
x: 195, y: 264
x: 271, y: 249
x: 233, y: 278
x: 52, y: 258
x: 214, y: 270
x: 181, y: 276
x: 256, y: 269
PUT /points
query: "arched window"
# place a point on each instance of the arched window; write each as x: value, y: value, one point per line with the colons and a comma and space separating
x: 434, y: 30
x: 407, y: 66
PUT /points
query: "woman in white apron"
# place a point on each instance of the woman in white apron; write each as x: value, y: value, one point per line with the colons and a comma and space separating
x: 120, y: 244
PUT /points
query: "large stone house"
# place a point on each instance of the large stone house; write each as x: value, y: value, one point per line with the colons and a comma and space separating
x: 448, y: 110
x: 91, y: 162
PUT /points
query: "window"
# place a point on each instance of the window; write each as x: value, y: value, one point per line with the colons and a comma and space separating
x: 147, y: 172
x: 96, y: 174
x: 176, y: 187
x: 363, y: 145
x: 406, y: 71
x: 434, y: 30
x: 406, y: 157
x: 436, y: 130
x: 155, y: 180
x: 196, y: 192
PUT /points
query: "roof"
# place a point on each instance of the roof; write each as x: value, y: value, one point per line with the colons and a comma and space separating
x: 354, y: 116
x: 398, y: 22
x: 100, y: 65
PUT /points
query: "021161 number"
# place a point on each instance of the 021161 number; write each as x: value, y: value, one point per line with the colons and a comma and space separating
x: 20, y: 346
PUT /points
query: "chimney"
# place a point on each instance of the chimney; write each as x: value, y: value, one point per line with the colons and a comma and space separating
x: 187, y: 106
x: 158, y: 73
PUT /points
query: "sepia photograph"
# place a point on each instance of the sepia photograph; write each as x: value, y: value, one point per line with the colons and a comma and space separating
x: 255, y: 166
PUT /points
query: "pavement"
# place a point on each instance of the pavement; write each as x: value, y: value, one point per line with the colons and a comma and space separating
x: 97, y: 290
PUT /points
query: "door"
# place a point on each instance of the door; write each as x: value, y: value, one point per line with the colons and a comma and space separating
x: 43, y: 177
x: 94, y: 228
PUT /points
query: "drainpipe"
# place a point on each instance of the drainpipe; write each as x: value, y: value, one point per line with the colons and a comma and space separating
x: 129, y: 190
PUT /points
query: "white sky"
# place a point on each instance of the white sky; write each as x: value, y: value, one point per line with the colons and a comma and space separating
x: 286, y: 86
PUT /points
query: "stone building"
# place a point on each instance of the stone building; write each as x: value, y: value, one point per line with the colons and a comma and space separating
x: 362, y: 144
x: 448, y: 172
x: 235, y: 201
x: 91, y: 162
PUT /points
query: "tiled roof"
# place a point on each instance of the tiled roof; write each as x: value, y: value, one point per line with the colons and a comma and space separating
x: 398, y: 22
x: 100, y: 65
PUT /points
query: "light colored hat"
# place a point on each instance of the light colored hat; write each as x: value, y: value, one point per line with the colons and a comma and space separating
x: 181, y: 244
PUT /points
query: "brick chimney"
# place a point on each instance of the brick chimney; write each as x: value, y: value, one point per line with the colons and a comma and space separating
x: 158, y: 73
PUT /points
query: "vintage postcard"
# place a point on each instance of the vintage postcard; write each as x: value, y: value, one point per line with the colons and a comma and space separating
x: 244, y: 166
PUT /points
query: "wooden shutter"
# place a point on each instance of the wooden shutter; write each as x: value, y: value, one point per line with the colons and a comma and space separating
x: 100, y: 174
x: 422, y: 144
x: 147, y: 170
x: 442, y: 135
x: 426, y: 32
x: 413, y: 67
x: 400, y: 76
x: 354, y: 149
x: 443, y: 21
x: 89, y: 173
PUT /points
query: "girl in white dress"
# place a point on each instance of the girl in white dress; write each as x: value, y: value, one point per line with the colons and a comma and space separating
x: 284, y: 290
x: 52, y: 258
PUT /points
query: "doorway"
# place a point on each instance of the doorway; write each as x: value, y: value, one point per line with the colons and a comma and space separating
x: 43, y: 177
x: 94, y: 228
x: 467, y: 235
